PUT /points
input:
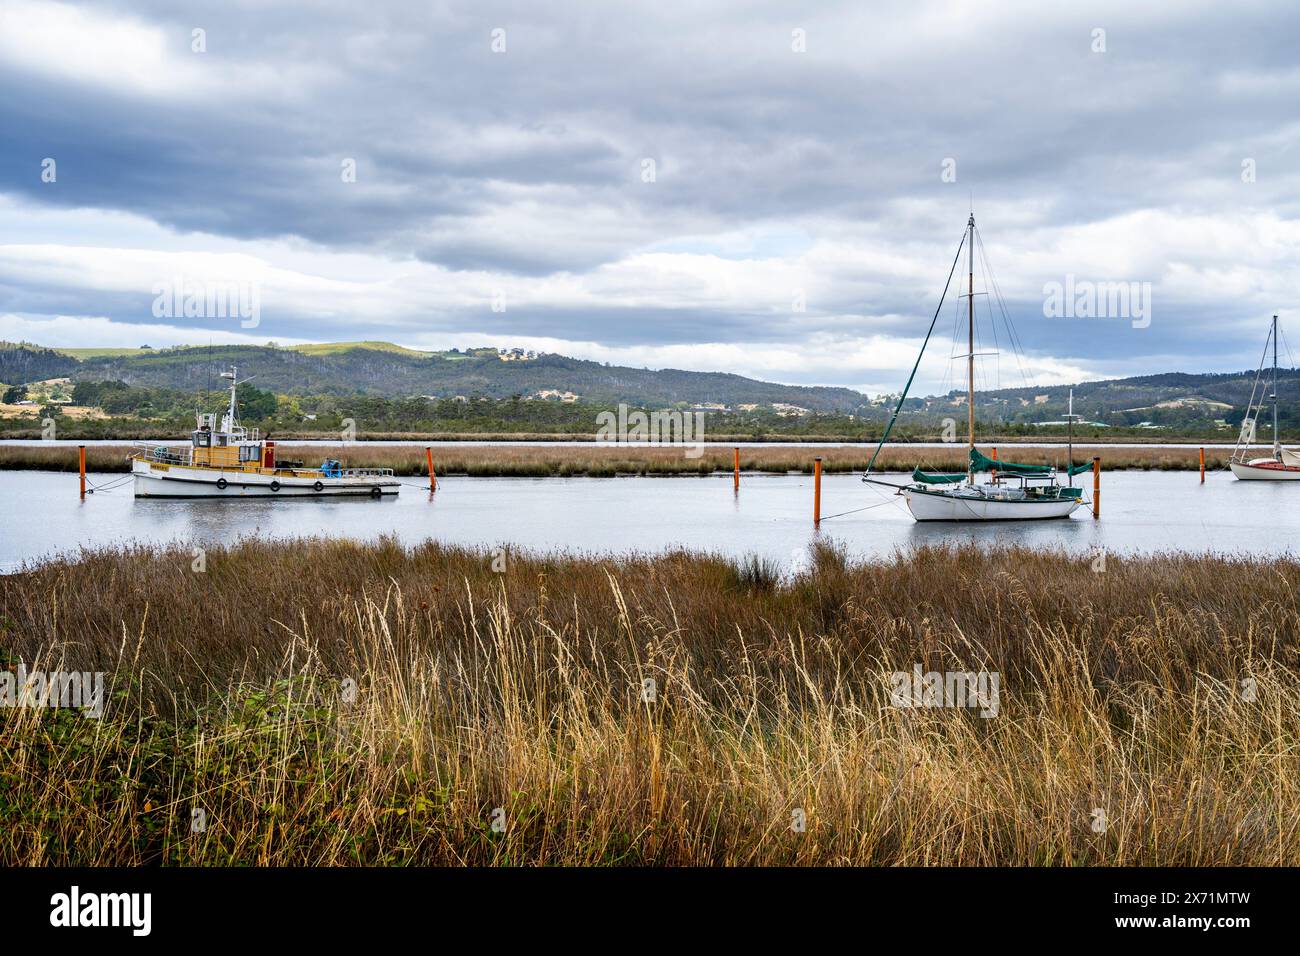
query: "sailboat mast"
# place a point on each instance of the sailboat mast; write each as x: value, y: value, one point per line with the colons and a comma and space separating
x: 1277, y: 441
x: 970, y: 341
x: 1069, y: 453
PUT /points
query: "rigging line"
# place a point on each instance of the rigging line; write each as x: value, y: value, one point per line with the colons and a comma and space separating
x: 1014, y: 337
x: 902, y: 398
x: 993, y: 324
x: 1250, y: 407
x: 993, y: 319
x: 949, y: 383
x: 1286, y: 345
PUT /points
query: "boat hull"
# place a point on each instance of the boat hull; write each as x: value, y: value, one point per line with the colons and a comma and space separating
x: 937, y: 506
x: 178, y: 481
x: 1265, y: 469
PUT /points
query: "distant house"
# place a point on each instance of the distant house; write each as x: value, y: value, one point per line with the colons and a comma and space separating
x: 783, y: 408
x: 1062, y: 423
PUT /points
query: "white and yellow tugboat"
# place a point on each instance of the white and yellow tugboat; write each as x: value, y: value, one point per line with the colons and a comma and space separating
x: 231, y: 461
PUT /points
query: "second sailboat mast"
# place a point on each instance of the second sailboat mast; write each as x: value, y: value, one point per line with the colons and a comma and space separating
x: 1277, y: 441
x: 970, y: 339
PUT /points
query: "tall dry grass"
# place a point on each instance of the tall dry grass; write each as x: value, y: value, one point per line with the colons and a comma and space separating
x: 540, y: 461
x: 230, y: 694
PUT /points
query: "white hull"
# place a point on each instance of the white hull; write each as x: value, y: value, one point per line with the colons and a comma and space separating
x: 946, y: 506
x: 1252, y: 471
x: 180, y: 481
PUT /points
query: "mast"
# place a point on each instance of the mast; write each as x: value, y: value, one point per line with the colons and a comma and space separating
x: 234, y: 380
x: 229, y: 421
x: 1069, y: 453
x: 1277, y: 441
x: 970, y: 342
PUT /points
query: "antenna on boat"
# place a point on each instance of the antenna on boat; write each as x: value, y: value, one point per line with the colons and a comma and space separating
x: 234, y: 382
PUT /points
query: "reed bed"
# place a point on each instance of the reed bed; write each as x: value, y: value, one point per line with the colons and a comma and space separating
x: 544, y: 461
x: 327, y: 702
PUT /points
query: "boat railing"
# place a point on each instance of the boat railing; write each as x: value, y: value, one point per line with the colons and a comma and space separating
x: 366, y: 473
x: 163, y: 454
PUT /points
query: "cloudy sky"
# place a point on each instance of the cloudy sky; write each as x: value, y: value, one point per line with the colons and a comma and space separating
x: 775, y: 189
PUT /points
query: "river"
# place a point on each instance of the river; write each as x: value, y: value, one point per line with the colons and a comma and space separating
x: 771, y: 516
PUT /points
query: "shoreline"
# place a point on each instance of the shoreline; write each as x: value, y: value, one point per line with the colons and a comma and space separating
x: 542, y: 461
x: 588, y: 438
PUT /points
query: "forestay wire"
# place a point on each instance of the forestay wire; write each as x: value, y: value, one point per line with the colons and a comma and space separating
x: 902, y: 398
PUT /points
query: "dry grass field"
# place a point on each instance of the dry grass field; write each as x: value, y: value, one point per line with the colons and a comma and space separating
x: 604, y: 461
x: 336, y: 703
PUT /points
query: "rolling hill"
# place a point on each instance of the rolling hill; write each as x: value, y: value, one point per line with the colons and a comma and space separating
x: 376, y: 368
x: 1172, y: 399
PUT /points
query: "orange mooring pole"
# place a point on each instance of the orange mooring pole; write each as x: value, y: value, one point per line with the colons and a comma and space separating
x: 995, y: 458
x: 1096, y: 487
x: 735, y: 468
x: 433, y: 480
x: 817, y: 492
x: 1202, y: 464
x: 81, y: 466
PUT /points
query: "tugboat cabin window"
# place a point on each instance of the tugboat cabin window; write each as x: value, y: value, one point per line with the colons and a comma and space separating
x: 250, y: 453
x: 202, y: 439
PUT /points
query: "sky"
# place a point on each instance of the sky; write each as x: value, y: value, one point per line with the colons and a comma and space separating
x: 772, y: 189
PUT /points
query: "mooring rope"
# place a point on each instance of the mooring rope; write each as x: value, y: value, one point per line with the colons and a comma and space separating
x: 111, y: 485
x: 841, y: 514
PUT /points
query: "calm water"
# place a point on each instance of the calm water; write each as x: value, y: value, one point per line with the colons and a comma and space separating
x: 40, y: 514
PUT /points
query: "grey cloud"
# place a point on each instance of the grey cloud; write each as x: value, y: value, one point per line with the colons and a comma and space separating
x: 457, y: 146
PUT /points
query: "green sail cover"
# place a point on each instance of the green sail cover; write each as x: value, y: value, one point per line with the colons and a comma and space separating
x: 981, y: 462
x: 940, y: 479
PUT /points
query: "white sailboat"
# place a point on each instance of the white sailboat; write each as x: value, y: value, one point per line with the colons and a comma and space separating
x: 1284, y: 463
x: 1014, y: 492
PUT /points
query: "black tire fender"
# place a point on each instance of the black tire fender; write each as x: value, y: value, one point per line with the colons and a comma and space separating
x: 318, y: 486
x: 275, y: 486
x: 376, y: 492
x: 222, y: 483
